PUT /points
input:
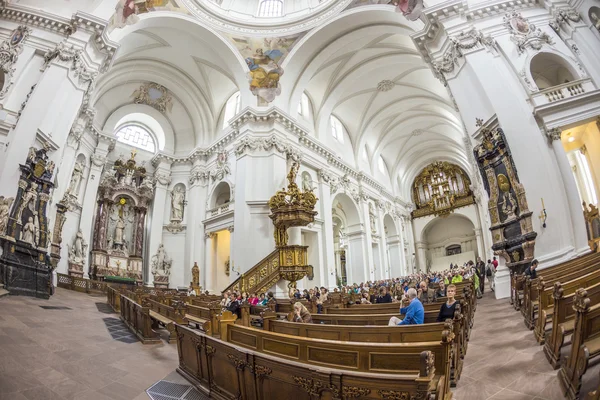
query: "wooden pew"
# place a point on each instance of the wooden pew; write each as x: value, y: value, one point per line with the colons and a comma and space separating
x: 202, y: 317
x: 529, y: 303
x: 382, y: 358
x: 545, y: 296
x: 137, y: 319
x: 563, y: 319
x: 223, y: 371
x: 166, y: 316
x: 378, y: 334
x: 585, y: 344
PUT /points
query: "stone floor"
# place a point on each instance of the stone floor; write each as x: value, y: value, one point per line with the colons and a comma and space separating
x: 84, y: 353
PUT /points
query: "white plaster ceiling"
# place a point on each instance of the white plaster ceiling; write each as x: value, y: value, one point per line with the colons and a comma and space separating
x: 198, y: 67
x: 340, y: 67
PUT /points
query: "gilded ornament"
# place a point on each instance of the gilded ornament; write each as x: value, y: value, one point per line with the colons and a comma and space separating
x: 503, y: 183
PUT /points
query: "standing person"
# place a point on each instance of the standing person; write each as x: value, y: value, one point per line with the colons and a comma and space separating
x: 480, y: 269
x: 491, y: 273
x: 449, y: 307
x: 322, y: 299
x: 495, y: 262
x: 414, y: 313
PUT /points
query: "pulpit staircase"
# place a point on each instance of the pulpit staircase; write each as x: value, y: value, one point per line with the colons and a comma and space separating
x: 3, y: 291
x: 285, y: 263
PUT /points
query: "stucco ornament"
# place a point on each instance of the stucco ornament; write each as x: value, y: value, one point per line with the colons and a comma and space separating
x: 524, y: 34
x: 223, y: 168
x: 161, y: 262
x: 9, y: 53
x: 154, y: 95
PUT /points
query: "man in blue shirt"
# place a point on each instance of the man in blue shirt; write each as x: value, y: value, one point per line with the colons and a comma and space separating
x: 414, y: 314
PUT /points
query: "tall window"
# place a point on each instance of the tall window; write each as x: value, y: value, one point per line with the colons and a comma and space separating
x: 365, y: 155
x: 231, y: 109
x: 304, y: 106
x: 270, y: 8
x: 137, y: 136
x: 337, y: 129
x: 381, y: 165
x: 583, y: 176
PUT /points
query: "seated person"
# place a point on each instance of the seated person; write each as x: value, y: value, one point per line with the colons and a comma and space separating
x: 262, y: 301
x: 301, y: 314
x: 234, y: 305
x: 322, y: 299
x: 457, y: 277
x: 426, y: 295
x: 297, y: 294
x: 441, y: 292
x: 449, y: 307
x: 384, y: 296
x: 365, y: 298
x: 414, y: 313
x: 306, y: 295
x: 253, y: 300
x: 191, y: 291
x: 531, y: 270
x: 225, y: 301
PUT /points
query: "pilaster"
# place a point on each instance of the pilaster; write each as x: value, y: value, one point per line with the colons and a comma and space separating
x: 162, y: 179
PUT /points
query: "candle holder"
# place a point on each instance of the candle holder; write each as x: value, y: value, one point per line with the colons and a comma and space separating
x: 543, y: 216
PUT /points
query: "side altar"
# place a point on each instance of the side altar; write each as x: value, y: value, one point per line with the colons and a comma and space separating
x: 25, y: 265
x: 118, y: 241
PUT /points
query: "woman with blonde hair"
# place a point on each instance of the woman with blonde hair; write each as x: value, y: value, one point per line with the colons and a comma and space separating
x: 301, y: 314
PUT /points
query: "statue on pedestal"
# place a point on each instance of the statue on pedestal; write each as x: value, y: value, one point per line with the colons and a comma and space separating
x: 177, y: 203
x: 161, y: 267
x: 118, y: 239
x: 77, y: 255
x: 372, y: 218
x: 75, y: 179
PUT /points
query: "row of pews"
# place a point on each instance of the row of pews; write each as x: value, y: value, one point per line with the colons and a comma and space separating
x: 347, y: 352
x: 562, y: 307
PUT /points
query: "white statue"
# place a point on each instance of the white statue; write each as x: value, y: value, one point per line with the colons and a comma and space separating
x: 372, y: 218
x: 29, y: 198
x: 28, y: 235
x: 5, y: 204
x: 595, y: 20
x: 307, y: 183
x: 119, y: 232
x: 177, y: 203
x: 75, y: 179
x: 161, y: 263
x: 110, y: 242
x: 77, y: 252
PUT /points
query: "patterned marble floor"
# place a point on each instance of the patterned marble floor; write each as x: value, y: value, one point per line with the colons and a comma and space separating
x: 76, y: 349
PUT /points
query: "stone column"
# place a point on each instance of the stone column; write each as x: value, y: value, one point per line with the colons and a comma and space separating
x: 395, y: 248
x: 369, y: 264
x: 90, y: 193
x: 480, y: 246
x: 329, y: 279
x: 573, y: 199
x: 356, y: 257
x: 195, y: 212
x: 385, y: 266
x: 421, y: 256
x: 209, y: 273
x: 162, y: 176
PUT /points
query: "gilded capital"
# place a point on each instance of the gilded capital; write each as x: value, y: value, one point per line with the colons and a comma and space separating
x: 554, y: 134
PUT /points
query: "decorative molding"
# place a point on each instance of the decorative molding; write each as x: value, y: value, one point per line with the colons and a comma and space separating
x: 385, y: 85
x: 553, y: 134
x: 162, y: 178
x: 71, y: 57
x: 198, y: 174
x: 175, y: 227
x: 146, y: 94
x: 223, y: 168
x: 562, y: 16
x: 469, y: 40
x: 10, y: 49
x: 525, y: 34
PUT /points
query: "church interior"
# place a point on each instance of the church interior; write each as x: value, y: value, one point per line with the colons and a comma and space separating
x: 309, y: 199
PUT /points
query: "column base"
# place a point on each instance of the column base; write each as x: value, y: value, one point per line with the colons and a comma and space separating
x: 502, y: 283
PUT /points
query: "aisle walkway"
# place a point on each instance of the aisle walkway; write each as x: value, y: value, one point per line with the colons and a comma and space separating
x: 79, y: 352
x: 503, y: 361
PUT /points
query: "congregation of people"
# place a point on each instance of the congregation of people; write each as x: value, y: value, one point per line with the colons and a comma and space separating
x: 410, y: 292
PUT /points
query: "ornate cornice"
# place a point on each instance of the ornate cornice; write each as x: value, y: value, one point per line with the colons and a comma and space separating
x: 72, y: 58
x: 469, y: 40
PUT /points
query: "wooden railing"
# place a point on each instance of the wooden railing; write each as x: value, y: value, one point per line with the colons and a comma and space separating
x: 80, y: 284
x: 259, y: 278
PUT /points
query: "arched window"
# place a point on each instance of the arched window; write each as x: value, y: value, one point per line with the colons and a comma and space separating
x: 270, y: 8
x: 304, y: 106
x: 550, y: 70
x: 137, y: 136
x: 365, y: 155
x: 381, y: 165
x: 231, y: 109
x: 337, y: 129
